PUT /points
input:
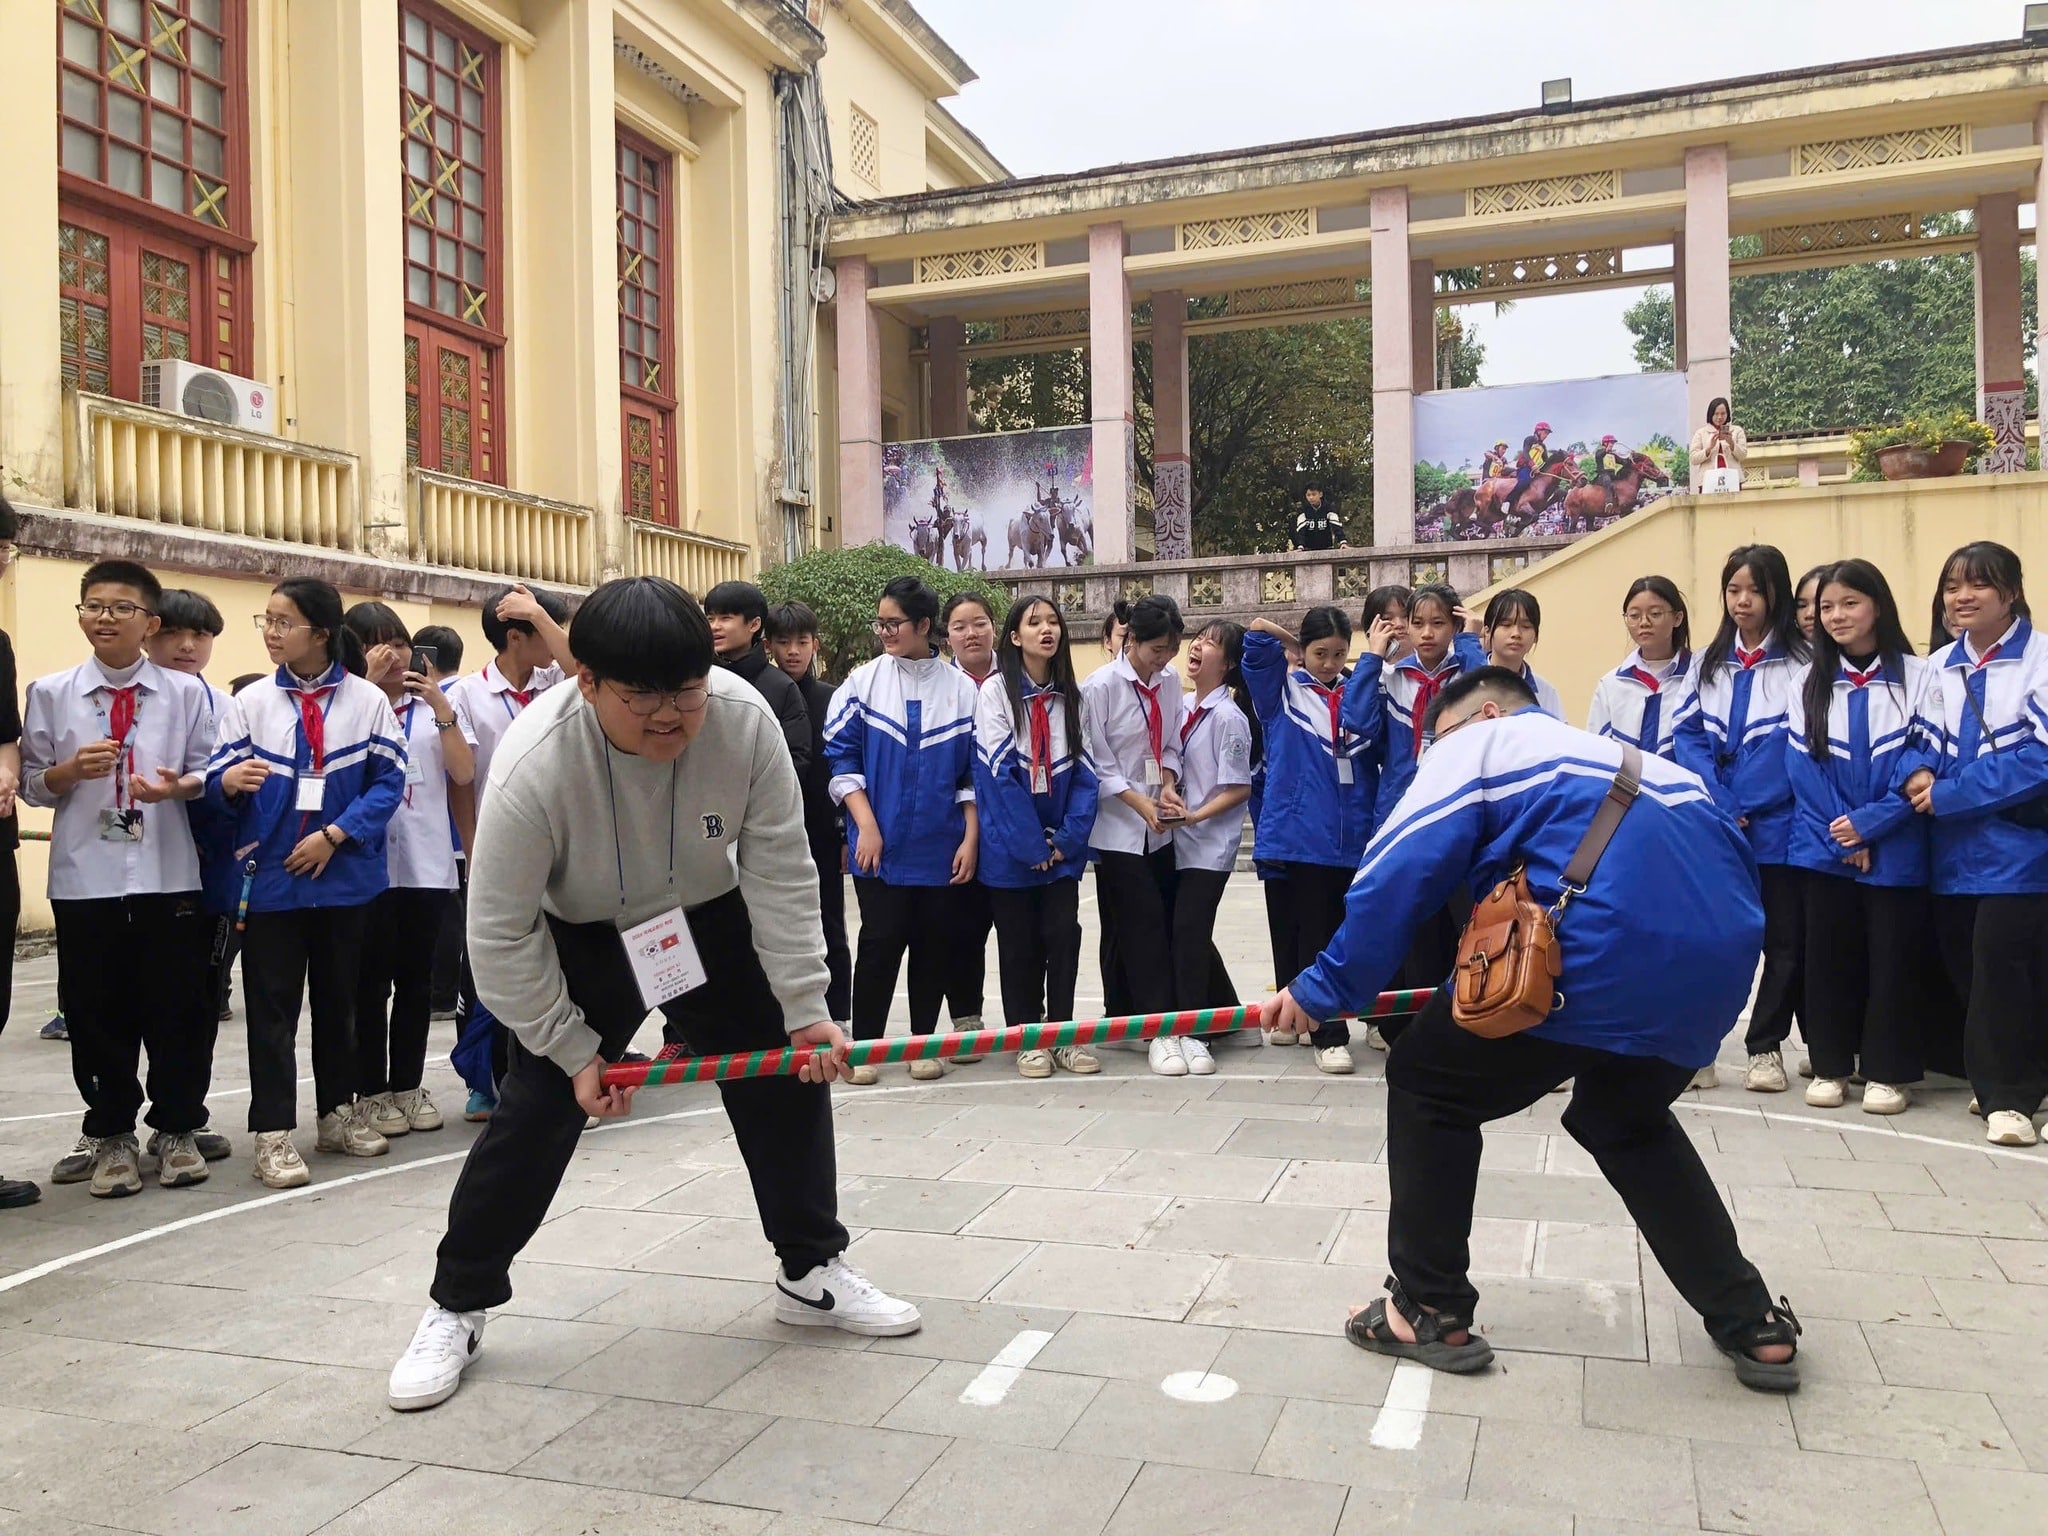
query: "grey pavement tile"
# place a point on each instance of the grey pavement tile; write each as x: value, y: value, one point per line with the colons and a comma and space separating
x: 1829, y: 1350
x: 1690, y: 1403
x: 724, y: 1192
x: 1038, y: 1408
x: 43, y: 1473
x: 618, y: 1512
x: 1964, y: 1214
x: 1177, y: 1501
x: 1332, y: 1443
x: 1129, y: 1348
x: 813, y: 1525
x: 2021, y: 1262
x: 1325, y: 1367
x: 1260, y: 1231
x: 1345, y: 1185
x: 659, y: 1448
x: 2024, y: 1423
x: 1136, y: 1418
x: 120, y: 1311
x: 715, y: 1247
x: 1766, y: 1242
x: 1856, y: 1295
x: 1805, y: 1493
x: 1156, y: 1285
x: 1300, y: 1090
x: 1191, y: 1173
x: 358, y: 1213
x: 136, y: 1384
x: 931, y: 1264
x: 988, y: 1490
x: 1926, y: 1254
x: 1993, y: 1306
x: 856, y: 1116
x: 323, y: 1407
x: 1892, y: 1178
x: 761, y: 1323
x: 535, y: 1350
x: 603, y: 1239
x: 1291, y: 1298
x: 250, y: 1264
x: 1903, y: 1423
x: 1954, y: 1359
x: 561, y: 1290
x: 1588, y: 1471
x: 912, y: 1205
x: 45, y: 1525
x: 1538, y: 1389
x: 450, y: 1501
x: 798, y: 1382
x: 1970, y: 1502
x: 1571, y: 1250
x: 488, y: 1426
x: 818, y: 1469
x: 1838, y: 1207
x: 1047, y: 1167
x: 1779, y: 1137
x: 1572, y: 1317
x: 1157, y: 1132
x: 1021, y: 1123
x: 403, y: 1276
x: 972, y: 1331
x: 318, y: 1330
x: 1940, y: 1158
x: 903, y: 1157
x: 1538, y: 1197
x: 1758, y: 1170
x: 1068, y: 1216
x: 1246, y: 1109
x: 659, y: 1364
x: 686, y: 1303
x: 268, y: 1490
x: 1319, y: 1143
x: 1370, y: 1512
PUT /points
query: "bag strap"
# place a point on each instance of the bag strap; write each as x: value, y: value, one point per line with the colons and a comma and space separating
x: 1977, y: 709
x: 1621, y: 794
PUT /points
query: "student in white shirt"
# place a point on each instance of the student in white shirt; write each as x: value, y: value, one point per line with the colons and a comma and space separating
x: 403, y: 925
x: 968, y: 626
x: 118, y: 746
x: 1638, y: 702
x: 1218, y: 751
x: 1130, y: 715
x: 1509, y: 631
x: 444, y: 649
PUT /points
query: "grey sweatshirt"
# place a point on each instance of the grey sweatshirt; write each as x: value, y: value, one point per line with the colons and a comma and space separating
x: 570, y: 818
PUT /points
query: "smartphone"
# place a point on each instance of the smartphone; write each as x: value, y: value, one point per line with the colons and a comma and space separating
x: 423, y: 660
x: 1166, y: 815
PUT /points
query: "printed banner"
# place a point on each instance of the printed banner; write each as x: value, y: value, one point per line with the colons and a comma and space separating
x: 994, y: 502
x: 1566, y: 457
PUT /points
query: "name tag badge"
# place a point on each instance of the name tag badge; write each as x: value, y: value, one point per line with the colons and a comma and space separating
x: 1343, y: 770
x: 415, y: 771
x: 1152, y: 779
x: 664, y: 957
x: 1041, y: 780
x: 312, y: 791
x: 121, y: 826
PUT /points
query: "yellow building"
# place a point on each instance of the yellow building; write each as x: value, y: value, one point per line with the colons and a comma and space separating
x: 422, y: 295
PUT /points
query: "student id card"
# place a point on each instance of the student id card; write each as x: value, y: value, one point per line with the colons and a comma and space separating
x: 312, y: 792
x: 1343, y: 769
x: 664, y: 957
x: 415, y: 770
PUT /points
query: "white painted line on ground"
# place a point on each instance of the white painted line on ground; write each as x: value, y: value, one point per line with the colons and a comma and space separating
x: 73, y: 1114
x: 1399, y: 1426
x: 1199, y: 1387
x: 1001, y: 1373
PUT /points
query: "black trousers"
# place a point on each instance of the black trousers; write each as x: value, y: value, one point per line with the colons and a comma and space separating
x: 1865, y: 980
x: 1279, y: 928
x: 1038, y: 950
x: 967, y: 971
x: 286, y: 955
x: 132, y: 972
x: 1995, y: 950
x: 447, y: 974
x: 1781, y: 989
x: 1317, y: 894
x: 10, y: 920
x: 1444, y: 1083
x: 1131, y: 894
x: 783, y: 1125
x: 895, y: 919
x: 1200, y: 979
x: 832, y: 908
x: 401, y: 930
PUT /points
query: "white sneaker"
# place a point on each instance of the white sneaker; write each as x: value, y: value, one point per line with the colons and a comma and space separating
x: 2009, y: 1128
x: 1884, y: 1099
x: 1165, y: 1058
x: 347, y: 1130
x: 421, y: 1113
x: 1335, y: 1059
x: 75, y: 1166
x: 926, y: 1069
x: 431, y: 1368
x: 1708, y: 1076
x: 1827, y: 1092
x: 1034, y: 1063
x: 836, y: 1295
x: 1374, y: 1040
x: 1806, y: 1066
x: 1766, y: 1073
x: 381, y: 1112
x: 1196, y: 1055
x: 117, y: 1168
x: 1077, y: 1059
x: 864, y: 1076
x: 278, y: 1164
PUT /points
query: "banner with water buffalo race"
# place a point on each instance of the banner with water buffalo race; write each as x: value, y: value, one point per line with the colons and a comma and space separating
x: 999, y: 501
x: 1566, y: 457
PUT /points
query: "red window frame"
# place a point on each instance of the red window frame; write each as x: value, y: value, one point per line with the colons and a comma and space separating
x: 647, y: 321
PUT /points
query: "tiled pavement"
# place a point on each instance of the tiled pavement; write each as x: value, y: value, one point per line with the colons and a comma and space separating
x: 227, y: 1377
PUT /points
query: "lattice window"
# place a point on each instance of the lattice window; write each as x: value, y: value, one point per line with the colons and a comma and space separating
x: 1135, y: 588
x: 990, y: 261
x: 1280, y: 298
x: 1429, y: 573
x: 412, y: 399
x: 1072, y: 596
x: 1205, y: 590
x: 1499, y: 567
x: 1544, y: 192
x: 126, y: 296
x: 450, y: 423
x: 85, y: 308
x: 1353, y: 582
x: 864, y: 147
x: 1828, y: 157
x: 1276, y: 585
x: 1551, y: 271
x: 646, y: 349
x: 1247, y: 229
x: 1841, y: 235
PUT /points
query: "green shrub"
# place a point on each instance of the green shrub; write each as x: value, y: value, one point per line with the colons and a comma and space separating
x: 1927, y: 432
x: 841, y: 585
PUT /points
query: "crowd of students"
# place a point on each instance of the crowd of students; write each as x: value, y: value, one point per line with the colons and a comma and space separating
x: 313, y: 823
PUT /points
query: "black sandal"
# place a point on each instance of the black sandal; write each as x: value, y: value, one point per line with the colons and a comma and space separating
x: 1763, y: 1375
x: 1370, y: 1330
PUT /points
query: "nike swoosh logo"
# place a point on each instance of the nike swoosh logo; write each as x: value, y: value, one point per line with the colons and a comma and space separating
x: 823, y: 1304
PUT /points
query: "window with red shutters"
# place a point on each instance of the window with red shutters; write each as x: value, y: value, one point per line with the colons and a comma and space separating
x: 646, y: 326
x: 454, y: 327
x: 152, y: 188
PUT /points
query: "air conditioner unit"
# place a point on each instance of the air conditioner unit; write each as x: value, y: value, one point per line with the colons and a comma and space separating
x: 225, y: 399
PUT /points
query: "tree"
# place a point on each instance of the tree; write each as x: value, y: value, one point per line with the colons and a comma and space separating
x: 841, y: 585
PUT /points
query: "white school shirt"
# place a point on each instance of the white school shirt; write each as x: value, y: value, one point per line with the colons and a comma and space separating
x: 173, y: 729
x: 1621, y: 699
x: 1215, y: 754
x: 418, y: 851
x: 486, y: 706
x: 1115, y: 727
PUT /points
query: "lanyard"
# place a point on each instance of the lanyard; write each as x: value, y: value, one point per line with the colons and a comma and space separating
x: 1192, y: 724
x: 618, y: 844
x: 1041, y: 740
x: 120, y: 713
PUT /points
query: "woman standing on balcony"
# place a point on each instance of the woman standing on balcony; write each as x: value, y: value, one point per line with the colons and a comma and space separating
x: 1720, y: 444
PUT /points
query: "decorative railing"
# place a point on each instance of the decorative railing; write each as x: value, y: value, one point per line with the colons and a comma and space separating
x: 690, y: 560
x: 126, y: 460
x: 479, y: 527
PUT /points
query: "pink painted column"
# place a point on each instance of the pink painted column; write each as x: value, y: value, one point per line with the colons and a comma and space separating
x: 1393, y: 372
x: 1678, y: 304
x: 1704, y: 321
x: 1172, y: 531
x: 1422, y: 324
x: 2001, y: 334
x: 949, y: 416
x: 1109, y: 392
x: 2040, y: 203
x: 860, y: 406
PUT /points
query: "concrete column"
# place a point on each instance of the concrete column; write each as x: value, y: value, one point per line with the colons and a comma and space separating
x: 1678, y: 304
x: 1704, y: 319
x: 2040, y: 202
x: 1393, y: 372
x: 2001, y: 334
x: 860, y: 406
x: 31, y: 420
x: 1109, y: 389
x: 948, y: 404
x: 1422, y: 324
x: 1172, y: 530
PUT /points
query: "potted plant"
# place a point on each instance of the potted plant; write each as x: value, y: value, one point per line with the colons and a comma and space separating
x: 1920, y: 447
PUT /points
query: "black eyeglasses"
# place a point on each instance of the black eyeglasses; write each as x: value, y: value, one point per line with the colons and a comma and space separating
x: 122, y: 610
x: 652, y: 701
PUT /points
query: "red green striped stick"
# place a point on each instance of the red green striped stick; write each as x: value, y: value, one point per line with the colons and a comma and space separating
x: 787, y: 1060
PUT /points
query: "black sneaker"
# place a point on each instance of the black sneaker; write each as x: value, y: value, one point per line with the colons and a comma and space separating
x: 54, y: 1030
x: 18, y: 1192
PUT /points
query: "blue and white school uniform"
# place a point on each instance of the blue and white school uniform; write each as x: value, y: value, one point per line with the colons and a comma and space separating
x: 1639, y: 702
x: 1546, y: 696
x: 1322, y: 772
x: 1133, y: 744
x: 1388, y: 703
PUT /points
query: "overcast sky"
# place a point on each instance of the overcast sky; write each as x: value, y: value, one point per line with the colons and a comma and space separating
x: 1067, y: 85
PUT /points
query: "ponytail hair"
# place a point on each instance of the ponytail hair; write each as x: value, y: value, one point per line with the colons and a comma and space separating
x: 1154, y: 618
x: 321, y: 604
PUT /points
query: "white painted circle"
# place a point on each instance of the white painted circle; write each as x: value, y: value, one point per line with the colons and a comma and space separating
x: 1198, y: 1387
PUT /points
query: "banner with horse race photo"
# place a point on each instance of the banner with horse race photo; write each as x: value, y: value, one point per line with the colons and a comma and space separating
x: 1565, y: 457
x: 993, y: 502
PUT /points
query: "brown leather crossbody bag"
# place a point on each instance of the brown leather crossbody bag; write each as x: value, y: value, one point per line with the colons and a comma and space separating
x: 1508, y: 956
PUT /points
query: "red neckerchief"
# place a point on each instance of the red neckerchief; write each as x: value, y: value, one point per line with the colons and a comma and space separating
x: 314, y: 723
x: 1155, y: 727
x: 120, y: 713
x: 1862, y: 679
x: 1041, y: 737
x: 1187, y: 726
x: 1989, y: 656
x: 1334, y: 697
x: 520, y: 696
x: 1427, y: 687
x: 1748, y: 659
x: 1649, y: 680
